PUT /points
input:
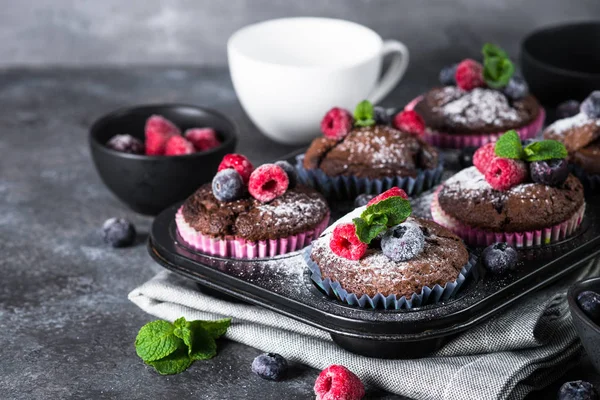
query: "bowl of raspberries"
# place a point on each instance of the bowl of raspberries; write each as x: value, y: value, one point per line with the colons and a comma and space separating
x: 152, y: 156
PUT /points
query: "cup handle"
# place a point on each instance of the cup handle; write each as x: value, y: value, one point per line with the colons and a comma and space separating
x: 395, y: 71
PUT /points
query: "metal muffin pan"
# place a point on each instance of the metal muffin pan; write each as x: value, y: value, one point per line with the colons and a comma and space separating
x: 283, y: 285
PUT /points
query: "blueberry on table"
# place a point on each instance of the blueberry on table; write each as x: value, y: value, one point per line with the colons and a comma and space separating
x: 363, y: 199
x: 577, y: 390
x: 552, y: 172
x: 499, y: 258
x: 118, y: 232
x: 270, y: 366
x: 589, y: 302
x: 567, y: 109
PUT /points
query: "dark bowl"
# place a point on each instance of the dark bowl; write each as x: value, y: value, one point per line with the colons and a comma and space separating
x: 149, y: 184
x: 562, y: 62
x: 588, y: 331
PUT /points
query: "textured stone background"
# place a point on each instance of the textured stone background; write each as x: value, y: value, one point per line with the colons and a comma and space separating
x: 187, y: 31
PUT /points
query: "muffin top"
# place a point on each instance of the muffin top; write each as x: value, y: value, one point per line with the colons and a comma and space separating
x: 469, y: 198
x: 451, y: 109
x: 376, y: 151
x: 297, y: 210
x: 440, y: 261
x: 581, y: 136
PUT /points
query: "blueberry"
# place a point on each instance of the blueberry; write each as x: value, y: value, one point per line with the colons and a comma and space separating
x: 447, y: 75
x: 126, y: 144
x: 465, y: 158
x: 363, y: 199
x: 118, y: 232
x: 516, y: 89
x: 227, y: 185
x: 567, y: 109
x: 381, y: 116
x: 577, y: 390
x: 591, y: 105
x: 549, y: 172
x: 403, y: 242
x: 499, y: 258
x: 590, y: 304
x: 290, y: 171
x: 270, y: 366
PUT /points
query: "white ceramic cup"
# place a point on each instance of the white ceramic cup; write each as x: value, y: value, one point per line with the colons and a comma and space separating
x: 289, y: 72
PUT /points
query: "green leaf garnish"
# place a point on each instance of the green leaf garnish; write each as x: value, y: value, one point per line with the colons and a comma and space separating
x: 156, y: 340
x: 509, y: 146
x: 497, y: 72
x: 364, y: 114
x: 545, y: 150
x: 171, y: 348
x: 382, y: 215
x: 492, y: 50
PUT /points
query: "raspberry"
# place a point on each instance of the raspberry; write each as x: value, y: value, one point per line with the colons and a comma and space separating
x: 345, y: 243
x: 483, y: 157
x: 238, y: 162
x: 504, y: 173
x: 202, y: 138
x: 268, y: 182
x: 337, y: 123
x: 178, y: 146
x: 409, y: 121
x: 469, y: 75
x: 337, y: 382
x: 158, y: 130
x: 395, y: 191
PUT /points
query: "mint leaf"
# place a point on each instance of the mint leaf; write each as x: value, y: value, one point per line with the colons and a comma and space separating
x: 174, y: 363
x: 216, y: 328
x: 497, y: 71
x: 364, y: 114
x: 509, y: 146
x: 492, y: 50
x: 156, y: 340
x: 367, y: 232
x: 202, y: 345
x: 396, y: 209
x: 545, y: 150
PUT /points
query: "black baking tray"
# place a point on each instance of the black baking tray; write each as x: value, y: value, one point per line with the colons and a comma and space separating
x: 283, y: 285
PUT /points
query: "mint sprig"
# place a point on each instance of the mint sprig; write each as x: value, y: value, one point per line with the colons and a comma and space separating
x: 172, y: 347
x: 382, y: 215
x: 364, y: 114
x: 545, y: 150
x: 509, y: 146
x: 497, y: 66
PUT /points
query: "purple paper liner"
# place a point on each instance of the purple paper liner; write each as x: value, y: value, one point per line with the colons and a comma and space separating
x: 481, y: 238
x: 591, y: 182
x: 235, y: 247
x: 457, y: 141
x: 427, y: 296
x: 348, y: 187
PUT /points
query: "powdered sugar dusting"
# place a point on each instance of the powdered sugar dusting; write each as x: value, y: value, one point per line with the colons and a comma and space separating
x: 562, y: 126
x: 293, y: 207
x: 378, y: 148
x: 479, y: 106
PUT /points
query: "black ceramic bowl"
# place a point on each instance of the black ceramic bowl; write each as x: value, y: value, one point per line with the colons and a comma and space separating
x: 588, y: 331
x: 562, y: 62
x: 149, y: 184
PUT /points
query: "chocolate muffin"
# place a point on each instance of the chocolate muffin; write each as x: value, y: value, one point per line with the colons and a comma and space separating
x: 468, y: 198
x: 453, y: 110
x: 298, y: 210
x: 441, y: 260
x: 375, y: 152
x: 581, y: 136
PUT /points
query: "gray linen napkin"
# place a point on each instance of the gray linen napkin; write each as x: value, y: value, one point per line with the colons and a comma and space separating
x: 525, y: 348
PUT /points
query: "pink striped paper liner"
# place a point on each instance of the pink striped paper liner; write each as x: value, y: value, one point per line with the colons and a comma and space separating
x: 478, y: 237
x: 452, y: 141
x: 235, y: 247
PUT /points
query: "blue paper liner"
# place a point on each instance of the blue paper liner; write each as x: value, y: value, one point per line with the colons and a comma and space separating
x: 427, y: 296
x: 348, y: 187
x: 590, y: 182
